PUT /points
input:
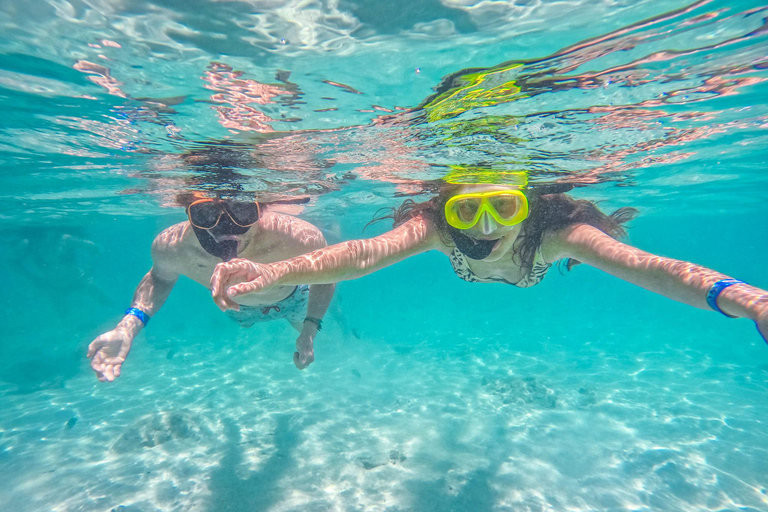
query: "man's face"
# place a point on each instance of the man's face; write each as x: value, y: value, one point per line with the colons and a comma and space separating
x: 221, y: 224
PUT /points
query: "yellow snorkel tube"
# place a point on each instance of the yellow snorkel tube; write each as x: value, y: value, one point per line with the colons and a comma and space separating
x: 483, y: 88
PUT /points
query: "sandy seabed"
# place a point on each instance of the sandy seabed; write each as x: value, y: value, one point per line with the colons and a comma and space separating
x: 451, y: 422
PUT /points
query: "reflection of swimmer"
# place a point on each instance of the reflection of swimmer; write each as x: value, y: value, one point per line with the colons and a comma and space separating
x: 501, y: 233
x: 220, y: 229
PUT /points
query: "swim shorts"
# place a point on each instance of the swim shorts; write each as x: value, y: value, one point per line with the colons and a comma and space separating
x: 293, y: 308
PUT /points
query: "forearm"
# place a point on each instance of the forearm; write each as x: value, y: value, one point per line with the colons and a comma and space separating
x: 320, y: 296
x: 689, y: 283
x: 341, y: 262
x: 149, y: 297
x: 678, y: 280
x: 324, y: 266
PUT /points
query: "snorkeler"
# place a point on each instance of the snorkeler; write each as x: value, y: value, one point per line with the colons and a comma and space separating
x: 503, y: 232
x: 220, y: 229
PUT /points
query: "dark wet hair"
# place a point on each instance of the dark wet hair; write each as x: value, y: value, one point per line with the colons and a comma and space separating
x: 186, y: 198
x: 549, y: 210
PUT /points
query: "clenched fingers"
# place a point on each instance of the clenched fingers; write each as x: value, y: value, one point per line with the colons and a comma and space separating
x: 111, y: 372
x: 225, y: 275
x: 245, y: 288
x: 107, y: 369
x: 302, y: 361
x: 236, y: 277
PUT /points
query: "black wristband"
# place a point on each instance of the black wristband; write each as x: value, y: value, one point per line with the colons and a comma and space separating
x: 315, y: 321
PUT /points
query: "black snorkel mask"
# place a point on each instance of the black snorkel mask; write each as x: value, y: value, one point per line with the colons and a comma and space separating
x: 214, y: 219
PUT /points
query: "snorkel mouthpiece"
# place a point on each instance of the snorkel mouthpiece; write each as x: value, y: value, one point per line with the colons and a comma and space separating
x: 469, y: 247
x: 224, y: 249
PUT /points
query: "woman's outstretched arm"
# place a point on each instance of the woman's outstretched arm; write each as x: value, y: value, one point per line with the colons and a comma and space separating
x: 340, y: 262
x: 679, y: 280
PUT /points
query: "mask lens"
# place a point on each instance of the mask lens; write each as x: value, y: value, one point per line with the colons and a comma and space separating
x: 466, y: 209
x: 243, y: 214
x: 505, y: 205
x: 205, y: 214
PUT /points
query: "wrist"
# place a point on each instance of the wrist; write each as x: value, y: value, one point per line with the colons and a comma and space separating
x: 313, y: 323
x: 280, y: 273
x: 744, y: 301
x: 130, y: 326
x: 134, y: 320
x: 760, y: 309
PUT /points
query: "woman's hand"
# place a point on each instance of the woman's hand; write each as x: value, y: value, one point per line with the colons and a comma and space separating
x: 762, y: 322
x: 240, y: 277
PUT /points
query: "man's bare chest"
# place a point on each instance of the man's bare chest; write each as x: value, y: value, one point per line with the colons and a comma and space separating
x: 200, y: 269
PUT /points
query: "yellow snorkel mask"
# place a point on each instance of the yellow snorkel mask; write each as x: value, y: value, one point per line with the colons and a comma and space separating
x: 506, y: 207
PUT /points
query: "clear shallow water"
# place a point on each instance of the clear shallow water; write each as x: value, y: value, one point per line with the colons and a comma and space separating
x: 428, y: 393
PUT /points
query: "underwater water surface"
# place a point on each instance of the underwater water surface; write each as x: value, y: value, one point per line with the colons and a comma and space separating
x: 427, y: 393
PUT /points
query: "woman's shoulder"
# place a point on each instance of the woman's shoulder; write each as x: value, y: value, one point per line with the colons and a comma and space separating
x: 562, y: 243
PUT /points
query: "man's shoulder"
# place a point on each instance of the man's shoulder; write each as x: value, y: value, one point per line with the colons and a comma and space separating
x: 288, y: 227
x: 281, y: 222
x: 174, y: 239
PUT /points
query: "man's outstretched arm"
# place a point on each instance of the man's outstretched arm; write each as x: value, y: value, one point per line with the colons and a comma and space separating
x: 108, y: 351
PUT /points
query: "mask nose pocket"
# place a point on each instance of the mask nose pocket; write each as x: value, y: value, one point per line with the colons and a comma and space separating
x: 486, y: 223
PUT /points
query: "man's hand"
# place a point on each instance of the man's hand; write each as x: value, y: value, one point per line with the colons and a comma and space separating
x: 239, y: 277
x: 108, y: 352
x: 305, y: 348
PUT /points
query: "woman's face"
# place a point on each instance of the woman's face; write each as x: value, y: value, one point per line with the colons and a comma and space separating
x: 487, y: 228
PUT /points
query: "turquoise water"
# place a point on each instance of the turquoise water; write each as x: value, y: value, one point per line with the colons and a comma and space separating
x: 427, y: 393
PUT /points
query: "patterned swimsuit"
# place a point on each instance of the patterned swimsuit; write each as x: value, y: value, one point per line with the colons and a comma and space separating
x: 538, y: 270
x: 293, y: 308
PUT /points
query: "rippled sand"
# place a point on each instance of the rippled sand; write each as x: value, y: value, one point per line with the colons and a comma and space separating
x: 459, y: 423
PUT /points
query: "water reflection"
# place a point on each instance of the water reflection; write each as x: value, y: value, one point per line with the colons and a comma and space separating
x: 647, y: 95
x: 596, y: 111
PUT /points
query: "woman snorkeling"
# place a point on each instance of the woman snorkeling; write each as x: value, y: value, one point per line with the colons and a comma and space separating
x: 494, y: 229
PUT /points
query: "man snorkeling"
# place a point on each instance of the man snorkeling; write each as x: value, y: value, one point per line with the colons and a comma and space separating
x: 220, y: 229
x: 494, y: 228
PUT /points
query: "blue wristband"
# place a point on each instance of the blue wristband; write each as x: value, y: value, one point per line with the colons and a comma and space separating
x: 715, y: 290
x: 138, y: 314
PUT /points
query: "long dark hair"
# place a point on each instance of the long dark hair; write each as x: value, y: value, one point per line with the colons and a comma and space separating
x: 549, y: 210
